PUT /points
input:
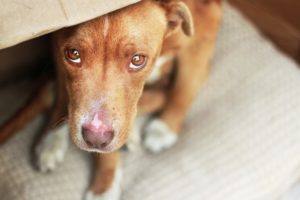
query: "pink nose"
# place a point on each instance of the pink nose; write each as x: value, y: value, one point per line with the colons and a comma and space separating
x: 97, y: 134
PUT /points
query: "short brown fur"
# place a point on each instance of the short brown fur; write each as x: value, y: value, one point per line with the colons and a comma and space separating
x: 153, y: 27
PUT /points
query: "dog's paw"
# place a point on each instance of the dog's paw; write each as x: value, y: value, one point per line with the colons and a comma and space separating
x: 52, y: 149
x: 114, y: 193
x: 158, y: 136
x: 133, y: 142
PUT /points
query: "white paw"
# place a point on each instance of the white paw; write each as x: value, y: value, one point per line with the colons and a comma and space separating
x: 52, y: 149
x: 134, y: 139
x: 158, y: 136
x: 114, y: 193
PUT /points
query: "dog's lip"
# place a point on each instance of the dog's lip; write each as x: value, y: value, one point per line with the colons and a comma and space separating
x: 101, y: 149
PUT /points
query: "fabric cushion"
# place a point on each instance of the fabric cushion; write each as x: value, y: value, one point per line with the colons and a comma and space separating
x: 240, y: 141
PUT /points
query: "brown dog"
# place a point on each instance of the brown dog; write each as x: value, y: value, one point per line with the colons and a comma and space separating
x: 102, y: 68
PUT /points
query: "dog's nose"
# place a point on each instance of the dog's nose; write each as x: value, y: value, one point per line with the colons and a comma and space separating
x: 97, y: 138
x: 97, y: 134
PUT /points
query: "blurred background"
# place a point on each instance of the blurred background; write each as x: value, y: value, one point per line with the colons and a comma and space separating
x: 279, y: 20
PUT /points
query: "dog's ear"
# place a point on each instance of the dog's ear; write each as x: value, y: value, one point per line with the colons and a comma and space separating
x: 178, y: 16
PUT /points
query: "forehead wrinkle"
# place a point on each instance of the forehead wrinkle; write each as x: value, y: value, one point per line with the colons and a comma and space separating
x: 82, y: 33
x: 135, y: 30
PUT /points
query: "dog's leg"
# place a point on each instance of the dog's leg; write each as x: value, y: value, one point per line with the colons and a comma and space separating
x: 39, y: 101
x: 51, y: 148
x: 193, y: 60
x: 107, y: 180
x: 162, y: 132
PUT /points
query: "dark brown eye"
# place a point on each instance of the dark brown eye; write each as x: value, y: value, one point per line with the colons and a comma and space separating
x: 137, y: 62
x: 73, y: 55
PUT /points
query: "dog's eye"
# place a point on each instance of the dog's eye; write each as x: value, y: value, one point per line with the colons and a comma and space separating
x: 73, y: 55
x: 137, y: 62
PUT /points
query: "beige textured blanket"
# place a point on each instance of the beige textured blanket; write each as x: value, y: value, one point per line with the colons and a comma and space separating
x: 241, y: 139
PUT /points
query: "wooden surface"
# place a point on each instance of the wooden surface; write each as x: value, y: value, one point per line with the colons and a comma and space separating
x: 277, y: 19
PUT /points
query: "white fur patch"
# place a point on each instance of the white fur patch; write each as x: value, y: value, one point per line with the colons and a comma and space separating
x: 159, y: 136
x: 156, y: 72
x: 114, y: 193
x: 52, y: 149
x: 134, y: 139
x: 105, y: 26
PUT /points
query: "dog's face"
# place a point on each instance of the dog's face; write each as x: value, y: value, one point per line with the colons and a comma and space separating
x: 106, y: 62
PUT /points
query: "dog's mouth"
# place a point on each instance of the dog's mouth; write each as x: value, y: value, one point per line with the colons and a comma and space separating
x: 101, y: 149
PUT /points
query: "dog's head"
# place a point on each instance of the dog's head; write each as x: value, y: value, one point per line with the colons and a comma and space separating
x: 106, y: 62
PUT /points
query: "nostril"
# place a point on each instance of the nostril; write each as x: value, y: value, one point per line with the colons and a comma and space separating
x: 97, y: 138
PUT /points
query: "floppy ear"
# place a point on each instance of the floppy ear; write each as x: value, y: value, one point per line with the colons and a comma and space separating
x: 178, y: 16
